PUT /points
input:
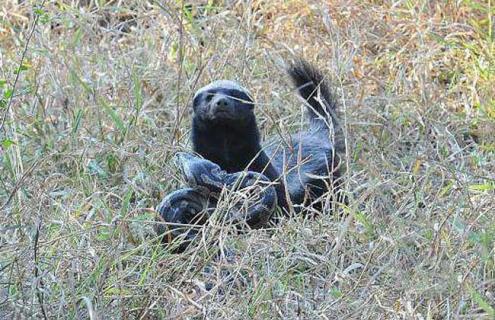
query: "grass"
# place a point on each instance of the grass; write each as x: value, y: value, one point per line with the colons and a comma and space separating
x: 101, y: 106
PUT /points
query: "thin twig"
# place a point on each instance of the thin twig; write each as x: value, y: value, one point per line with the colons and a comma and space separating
x: 19, y: 183
x: 23, y: 56
x: 39, y: 285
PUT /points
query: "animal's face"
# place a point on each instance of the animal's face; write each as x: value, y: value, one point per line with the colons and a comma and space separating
x: 223, y: 102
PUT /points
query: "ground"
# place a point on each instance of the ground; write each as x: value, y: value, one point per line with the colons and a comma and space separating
x: 95, y: 102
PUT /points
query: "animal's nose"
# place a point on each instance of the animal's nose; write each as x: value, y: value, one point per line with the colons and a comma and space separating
x: 221, y: 103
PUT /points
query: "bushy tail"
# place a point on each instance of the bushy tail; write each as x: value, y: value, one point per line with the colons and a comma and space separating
x: 322, y: 105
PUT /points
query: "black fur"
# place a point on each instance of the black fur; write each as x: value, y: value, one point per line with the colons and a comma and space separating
x: 229, y: 135
x: 322, y: 107
x: 225, y: 131
x: 312, y: 160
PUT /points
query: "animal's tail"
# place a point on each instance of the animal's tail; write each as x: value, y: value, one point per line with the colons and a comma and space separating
x: 322, y: 105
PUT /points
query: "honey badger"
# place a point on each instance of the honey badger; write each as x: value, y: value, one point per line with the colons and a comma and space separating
x: 225, y: 131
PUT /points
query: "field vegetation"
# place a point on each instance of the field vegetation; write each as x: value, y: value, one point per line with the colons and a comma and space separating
x: 94, y: 103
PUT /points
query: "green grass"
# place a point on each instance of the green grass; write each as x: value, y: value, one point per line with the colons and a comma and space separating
x: 102, y: 104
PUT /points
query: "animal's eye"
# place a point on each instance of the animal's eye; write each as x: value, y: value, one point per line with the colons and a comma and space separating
x: 209, y: 96
x: 241, y: 97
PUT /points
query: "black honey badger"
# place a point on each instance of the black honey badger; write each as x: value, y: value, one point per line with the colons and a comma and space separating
x: 225, y: 131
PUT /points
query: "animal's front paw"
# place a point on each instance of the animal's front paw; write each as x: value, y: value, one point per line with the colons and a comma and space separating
x: 255, y: 198
x: 182, y: 213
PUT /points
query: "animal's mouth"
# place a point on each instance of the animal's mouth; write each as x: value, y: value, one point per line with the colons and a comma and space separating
x: 219, y: 115
x: 222, y: 114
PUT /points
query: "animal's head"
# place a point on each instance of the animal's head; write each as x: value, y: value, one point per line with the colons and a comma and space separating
x: 223, y: 102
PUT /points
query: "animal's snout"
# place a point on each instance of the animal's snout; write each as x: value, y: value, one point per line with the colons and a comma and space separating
x: 221, y: 103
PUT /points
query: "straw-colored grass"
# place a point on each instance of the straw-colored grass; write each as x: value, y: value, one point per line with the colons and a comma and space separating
x: 95, y: 99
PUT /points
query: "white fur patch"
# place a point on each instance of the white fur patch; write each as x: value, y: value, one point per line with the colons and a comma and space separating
x: 223, y: 84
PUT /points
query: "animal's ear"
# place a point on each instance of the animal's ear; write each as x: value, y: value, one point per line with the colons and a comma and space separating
x: 194, y: 103
x: 251, y: 101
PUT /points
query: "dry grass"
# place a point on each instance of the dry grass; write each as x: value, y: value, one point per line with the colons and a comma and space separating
x: 100, y: 107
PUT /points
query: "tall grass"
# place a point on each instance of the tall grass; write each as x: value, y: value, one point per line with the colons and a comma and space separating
x: 101, y: 104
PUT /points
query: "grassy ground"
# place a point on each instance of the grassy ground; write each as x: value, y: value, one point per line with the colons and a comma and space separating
x: 95, y: 100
